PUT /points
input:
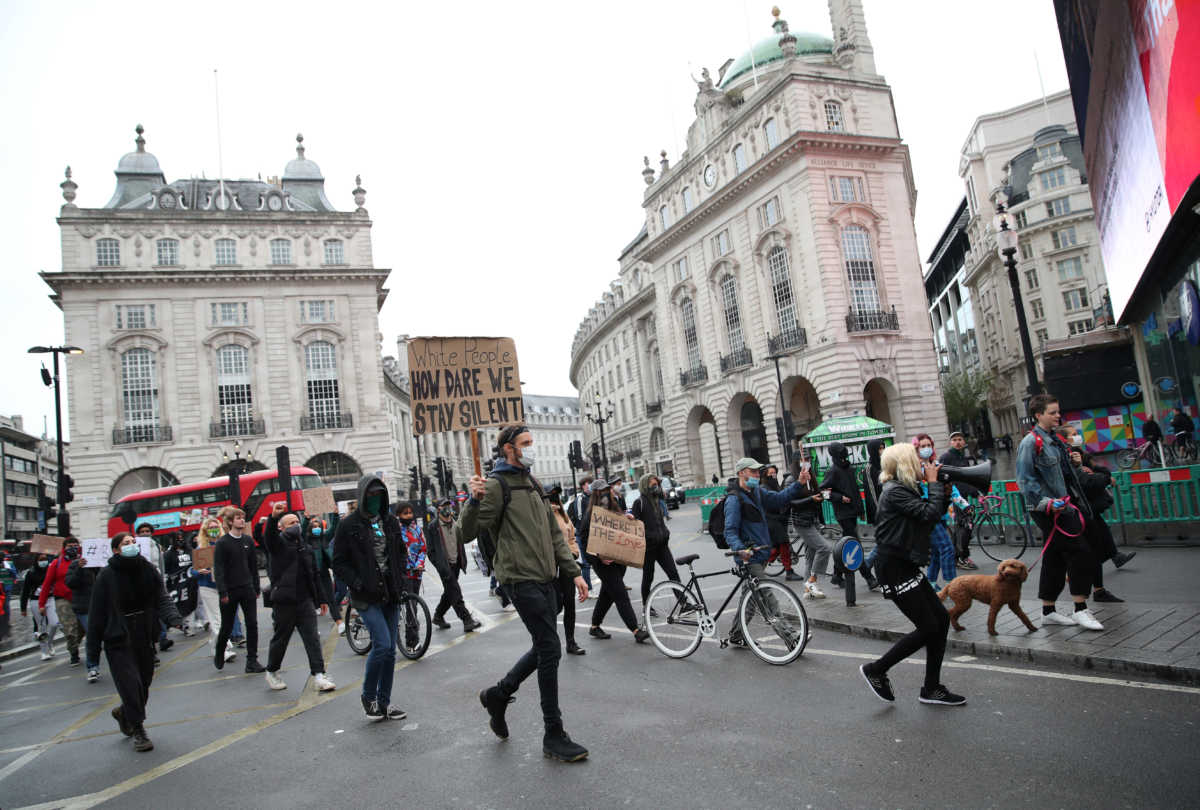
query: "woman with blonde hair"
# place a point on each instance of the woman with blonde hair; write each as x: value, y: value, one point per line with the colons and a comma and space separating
x: 206, y: 590
x: 912, y: 501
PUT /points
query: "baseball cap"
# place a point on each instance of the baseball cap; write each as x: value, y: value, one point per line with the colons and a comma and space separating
x: 746, y: 464
x: 957, y: 433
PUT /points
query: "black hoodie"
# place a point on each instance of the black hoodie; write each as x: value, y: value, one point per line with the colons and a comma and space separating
x: 841, y: 479
x: 354, y: 559
x: 872, y: 489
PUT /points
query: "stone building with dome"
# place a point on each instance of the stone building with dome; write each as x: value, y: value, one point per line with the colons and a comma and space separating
x: 219, y: 320
x: 776, y: 275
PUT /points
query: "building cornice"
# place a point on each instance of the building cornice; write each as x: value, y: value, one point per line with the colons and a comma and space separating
x: 644, y: 296
x: 193, y: 219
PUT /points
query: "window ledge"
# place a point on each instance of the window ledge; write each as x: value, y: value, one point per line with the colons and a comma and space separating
x: 166, y: 266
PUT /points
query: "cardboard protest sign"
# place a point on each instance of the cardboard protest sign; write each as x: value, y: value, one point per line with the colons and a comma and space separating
x: 45, y: 544
x: 463, y: 383
x: 319, y: 501
x: 202, y: 558
x: 613, y: 536
x: 97, y: 550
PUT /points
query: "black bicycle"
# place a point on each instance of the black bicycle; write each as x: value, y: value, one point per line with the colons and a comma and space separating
x: 415, y: 628
x: 770, y: 618
x: 998, y: 534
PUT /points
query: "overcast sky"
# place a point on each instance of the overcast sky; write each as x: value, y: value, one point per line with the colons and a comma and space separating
x: 500, y: 144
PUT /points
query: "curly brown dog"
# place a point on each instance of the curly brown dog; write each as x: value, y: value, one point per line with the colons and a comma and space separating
x: 1004, y: 588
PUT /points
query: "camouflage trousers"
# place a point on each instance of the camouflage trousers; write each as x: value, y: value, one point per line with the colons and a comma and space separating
x: 70, y: 625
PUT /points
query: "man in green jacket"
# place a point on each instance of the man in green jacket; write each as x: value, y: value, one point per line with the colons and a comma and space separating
x: 530, y: 551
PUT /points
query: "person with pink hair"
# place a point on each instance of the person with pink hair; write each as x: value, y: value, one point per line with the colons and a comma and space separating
x: 941, y: 545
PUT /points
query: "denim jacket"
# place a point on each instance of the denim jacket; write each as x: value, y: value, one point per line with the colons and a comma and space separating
x: 1042, y: 476
x: 746, y: 533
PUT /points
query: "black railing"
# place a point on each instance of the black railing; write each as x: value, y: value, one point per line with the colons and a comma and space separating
x: 872, y: 321
x: 654, y: 408
x: 693, y: 376
x: 141, y: 434
x: 737, y: 359
x: 327, y: 421
x: 239, y: 427
x: 635, y: 453
x: 794, y: 338
x: 616, y: 455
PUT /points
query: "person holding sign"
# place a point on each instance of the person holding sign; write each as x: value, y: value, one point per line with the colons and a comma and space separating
x: 611, y: 573
x: 128, y: 600
x: 530, y: 553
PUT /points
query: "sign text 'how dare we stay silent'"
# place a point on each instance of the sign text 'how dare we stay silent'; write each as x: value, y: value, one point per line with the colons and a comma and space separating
x: 461, y: 383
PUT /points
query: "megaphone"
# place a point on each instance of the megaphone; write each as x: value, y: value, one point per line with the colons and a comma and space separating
x: 978, y: 476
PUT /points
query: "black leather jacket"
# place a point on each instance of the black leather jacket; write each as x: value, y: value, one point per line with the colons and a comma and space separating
x: 904, y: 519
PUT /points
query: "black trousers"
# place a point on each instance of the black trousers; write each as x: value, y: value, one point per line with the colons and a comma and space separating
x: 335, y: 610
x: 245, y: 598
x: 1066, y: 556
x: 905, y: 584
x: 1104, y: 548
x: 452, y: 597
x: 537, y: 605
x: 412, y: 628
x: 132, y: 668
x: 299, y: 616
x: 612, y: 578
x: 566, y: 595
x: 659, y: 553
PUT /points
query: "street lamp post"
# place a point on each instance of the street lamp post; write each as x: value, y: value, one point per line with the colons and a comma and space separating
x: 1006, y: 246
x: 60, y: 491
x: 601, y: 419
x: 240, y: 464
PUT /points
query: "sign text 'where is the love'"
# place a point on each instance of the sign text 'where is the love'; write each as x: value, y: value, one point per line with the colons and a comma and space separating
x: 464, y: 382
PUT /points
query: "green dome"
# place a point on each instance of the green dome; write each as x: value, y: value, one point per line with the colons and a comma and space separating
x: 767, y: 50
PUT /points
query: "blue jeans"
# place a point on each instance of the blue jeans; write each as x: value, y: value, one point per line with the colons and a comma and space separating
x: 941, y: 555
x: 88, y: 663
x: 382, y: 623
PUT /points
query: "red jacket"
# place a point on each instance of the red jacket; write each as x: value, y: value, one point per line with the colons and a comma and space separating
x: 54, y: 584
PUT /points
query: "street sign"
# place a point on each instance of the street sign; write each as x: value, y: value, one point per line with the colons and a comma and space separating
x: 849, y: 551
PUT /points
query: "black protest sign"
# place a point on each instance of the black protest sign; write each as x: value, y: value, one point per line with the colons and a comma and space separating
x: 463, y: 383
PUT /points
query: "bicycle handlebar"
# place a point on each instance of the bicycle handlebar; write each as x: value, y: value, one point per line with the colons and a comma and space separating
x: 732, y: 553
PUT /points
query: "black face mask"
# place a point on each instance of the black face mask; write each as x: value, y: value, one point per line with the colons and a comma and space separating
x: 406, y: 520
x: 71, y: 552
x: 292, y: 532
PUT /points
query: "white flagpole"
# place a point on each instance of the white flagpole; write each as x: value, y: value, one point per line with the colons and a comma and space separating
x: 220, y: 157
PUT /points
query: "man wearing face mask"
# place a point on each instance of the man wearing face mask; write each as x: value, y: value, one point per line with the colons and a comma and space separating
x: 448, y: 553
x: 841, y: 485
x: 530, y: 554
x: 295, y: 592
x: 316, y: 537
x: 369, y: 554
x: 55, y: 585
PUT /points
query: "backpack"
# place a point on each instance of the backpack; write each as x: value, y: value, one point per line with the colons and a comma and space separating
x: 716, y: 520
x: 487, y: 543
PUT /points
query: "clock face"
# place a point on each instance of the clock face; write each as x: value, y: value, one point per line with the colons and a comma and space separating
x: 166, y: 201
x: 710, y: 175
x: 274, y: 203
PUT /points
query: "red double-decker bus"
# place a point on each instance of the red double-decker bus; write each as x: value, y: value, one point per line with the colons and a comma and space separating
x: 183, y: 506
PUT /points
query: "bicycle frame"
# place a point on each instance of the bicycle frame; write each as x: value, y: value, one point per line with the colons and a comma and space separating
x: 743, y: 576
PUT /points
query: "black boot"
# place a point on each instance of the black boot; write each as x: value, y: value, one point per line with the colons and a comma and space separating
x: 471, y: 624
x: 440, y: 623
x: 140, y: 741
x: 252, y: 666
x: 496, y: 702
x: 557, y: 745
x: 119, y: 715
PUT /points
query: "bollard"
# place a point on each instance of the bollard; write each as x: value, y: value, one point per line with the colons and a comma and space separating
x: 847, y: 559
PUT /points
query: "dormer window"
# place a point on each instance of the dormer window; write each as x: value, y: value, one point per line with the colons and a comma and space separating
x: 833, y: 117
x: 1049, y: 150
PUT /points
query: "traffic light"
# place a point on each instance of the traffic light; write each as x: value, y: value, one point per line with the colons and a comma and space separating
x: 414, y: 482
x: 595, y: 456
x: 45, y: 503
x: 65, y: 482
x: 780, y: 431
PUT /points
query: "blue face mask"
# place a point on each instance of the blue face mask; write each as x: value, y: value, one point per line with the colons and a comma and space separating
x: 752, y: 483
x: 316, y: 530
x: 925, y: 452
x: 131, y: 550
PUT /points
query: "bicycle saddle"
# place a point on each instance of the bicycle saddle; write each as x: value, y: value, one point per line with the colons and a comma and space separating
x: 687, y: 560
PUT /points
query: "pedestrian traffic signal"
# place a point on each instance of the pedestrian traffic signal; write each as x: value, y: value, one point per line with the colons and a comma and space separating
x: 414, y: 482
x: 45, y: 503
x: 65, y: 482
x: 595, y: 456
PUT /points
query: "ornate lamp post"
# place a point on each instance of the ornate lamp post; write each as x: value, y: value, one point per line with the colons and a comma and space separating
x: 603, y: 415
x: 1006, y: 246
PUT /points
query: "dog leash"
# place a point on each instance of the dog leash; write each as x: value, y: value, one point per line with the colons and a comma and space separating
x: 1059, y: 530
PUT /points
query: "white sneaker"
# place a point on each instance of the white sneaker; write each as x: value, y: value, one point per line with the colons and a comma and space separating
x: 46, y: 656
x: 229, y: 655
x: 812, y: 591
x: 1058, y: 618
x: 341, y: 628
x: 1085, y: 619
x: 322, y: 682
x: 275, y: 682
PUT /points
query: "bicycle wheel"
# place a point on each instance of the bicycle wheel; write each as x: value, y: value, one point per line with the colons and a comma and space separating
x: 1001, y: 536
x: 412, y: 639
x: 773, y: 622
x: 672, y: 616
x: 356, y: 632
x: 1127, y: 458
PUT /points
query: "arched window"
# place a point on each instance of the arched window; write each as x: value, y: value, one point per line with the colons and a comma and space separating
x: 235, y: 405
x: 225, y: 251
x: 335, y: 467
x: 139, y: 395
x: 168, y: 252
x: 688, y: 203
x: 780, y: 271
x: 664, y: 217
x: 281, y: 251
x: 739, y: 158
x: 324, y: 399
x: 108, y: 253
x: 656, y: 440
x: 687, y: 313
x: 771, y: 132
x: 335, y: 252
x: 860, y: 269
x: 833, y: 117
x: 733, y: 315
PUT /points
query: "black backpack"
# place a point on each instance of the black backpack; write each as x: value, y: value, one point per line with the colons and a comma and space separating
x: 487, y: 543
x: 716, y: 520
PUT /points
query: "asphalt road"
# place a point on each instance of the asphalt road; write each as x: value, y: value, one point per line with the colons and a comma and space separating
x: 719, y: 729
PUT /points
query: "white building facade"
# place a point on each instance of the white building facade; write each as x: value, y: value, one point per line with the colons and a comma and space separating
x: 784, y: 231
x: 28, y: 462
x: 219, y: 318
x: 1033, y: 153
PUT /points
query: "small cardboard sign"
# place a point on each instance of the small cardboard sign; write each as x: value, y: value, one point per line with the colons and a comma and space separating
x: 45, y: 544
x: 319, y: 501
x: 202, y: 558
x: 461, y: 383
x: 613, y: 536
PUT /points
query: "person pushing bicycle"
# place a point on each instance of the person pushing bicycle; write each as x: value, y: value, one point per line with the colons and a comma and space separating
x: 746, y: 529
